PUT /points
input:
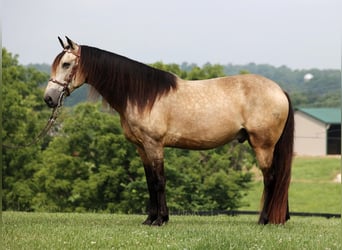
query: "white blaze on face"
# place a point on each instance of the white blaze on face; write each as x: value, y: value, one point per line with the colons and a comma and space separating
x: 60, y: 79
x: 64, y: 76
x: 65, y: 66
x: 62, y: 72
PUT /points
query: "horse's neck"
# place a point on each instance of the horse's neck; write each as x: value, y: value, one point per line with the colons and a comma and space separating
x: 110, y: 99
x: 130, y: 81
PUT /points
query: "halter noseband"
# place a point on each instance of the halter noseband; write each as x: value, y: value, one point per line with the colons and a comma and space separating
x: 72, y: 75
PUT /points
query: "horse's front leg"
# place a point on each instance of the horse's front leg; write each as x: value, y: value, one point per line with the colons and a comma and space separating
x: 153, y: 202
x: 157, y: 212
x: 159, y: 187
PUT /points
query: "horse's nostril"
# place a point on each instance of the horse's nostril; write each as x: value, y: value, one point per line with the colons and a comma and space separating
x: 48, y: 100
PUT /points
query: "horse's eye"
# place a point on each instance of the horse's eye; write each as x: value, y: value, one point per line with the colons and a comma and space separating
x: 65, y: 65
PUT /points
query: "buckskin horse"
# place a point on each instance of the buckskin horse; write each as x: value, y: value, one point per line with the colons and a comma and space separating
x: 158, y: 109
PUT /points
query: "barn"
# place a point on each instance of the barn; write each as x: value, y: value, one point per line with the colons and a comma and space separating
x: 317, y: 131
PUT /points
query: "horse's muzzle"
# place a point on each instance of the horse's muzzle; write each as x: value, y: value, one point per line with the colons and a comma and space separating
x: 51, y: 97
x: 48, y: 100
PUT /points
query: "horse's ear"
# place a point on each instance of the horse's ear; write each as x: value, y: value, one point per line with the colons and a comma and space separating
x: 72, y: 44
x: 61, y: 42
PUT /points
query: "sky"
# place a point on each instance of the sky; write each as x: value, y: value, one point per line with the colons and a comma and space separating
x: 300, y: 34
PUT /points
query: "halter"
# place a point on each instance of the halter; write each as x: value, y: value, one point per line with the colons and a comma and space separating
x: 72, y: 75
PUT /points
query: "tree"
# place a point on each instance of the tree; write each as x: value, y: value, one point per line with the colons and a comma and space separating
x: 206, y: 72
x: 22, y: 112
x: 214, y: 179
x: 173, y: 68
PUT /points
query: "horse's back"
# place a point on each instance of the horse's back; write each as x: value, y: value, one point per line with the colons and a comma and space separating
x: 244, y: 94
x: 208, y: 113
x: 249, y: 85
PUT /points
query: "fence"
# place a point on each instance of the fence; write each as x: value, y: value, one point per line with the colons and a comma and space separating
x: 238, y: 212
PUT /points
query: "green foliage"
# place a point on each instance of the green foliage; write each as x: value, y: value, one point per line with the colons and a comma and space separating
x: 206, y: 72
x: 22, y: 118
x: 209, y: 180
x: 86, y: 164
x: 194, y: 73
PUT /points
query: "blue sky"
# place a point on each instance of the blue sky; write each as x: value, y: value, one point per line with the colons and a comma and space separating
x: 300, y: 34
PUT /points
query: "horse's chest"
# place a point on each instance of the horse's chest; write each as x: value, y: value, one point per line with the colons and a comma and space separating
x: 131, y: 133
x: 134, y: 131
x: 144, y: 131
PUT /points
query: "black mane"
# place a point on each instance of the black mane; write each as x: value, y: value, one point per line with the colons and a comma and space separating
x: 119, y: 79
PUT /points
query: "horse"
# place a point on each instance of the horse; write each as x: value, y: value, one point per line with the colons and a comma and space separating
x: 157, y: 109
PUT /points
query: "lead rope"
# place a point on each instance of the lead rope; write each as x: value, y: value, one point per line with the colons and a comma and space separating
x: 47, y: 127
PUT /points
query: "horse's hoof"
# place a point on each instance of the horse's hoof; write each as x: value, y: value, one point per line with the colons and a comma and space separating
x: 161, y: 221
x: 158, y: 222
x: 147, y: 222
x: 263, y: 221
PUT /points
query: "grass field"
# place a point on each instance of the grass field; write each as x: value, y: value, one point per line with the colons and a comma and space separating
x: 312, y: 190
x: 111, y: 231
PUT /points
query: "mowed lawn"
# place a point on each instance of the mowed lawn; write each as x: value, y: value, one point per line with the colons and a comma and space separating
x: 312, y: 188
x: 112, y: 231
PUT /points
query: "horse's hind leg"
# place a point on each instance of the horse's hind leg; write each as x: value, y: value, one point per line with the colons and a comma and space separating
x: 264, y: 157
x: 272, y: 162
x: 264, y: 147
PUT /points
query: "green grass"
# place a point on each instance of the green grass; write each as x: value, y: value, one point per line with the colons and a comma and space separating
x: 312, y: 188
x: 111, y: 231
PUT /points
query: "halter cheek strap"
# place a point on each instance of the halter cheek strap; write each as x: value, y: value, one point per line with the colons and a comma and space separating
x: 66, y: 85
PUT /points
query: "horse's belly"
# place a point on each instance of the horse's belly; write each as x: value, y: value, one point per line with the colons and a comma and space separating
x: 200, y: 140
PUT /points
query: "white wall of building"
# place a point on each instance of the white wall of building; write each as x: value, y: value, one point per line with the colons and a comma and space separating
x: 310, y: 136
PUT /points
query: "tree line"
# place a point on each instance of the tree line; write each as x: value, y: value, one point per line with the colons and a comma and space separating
x: 86, y: 164
x: 323, y: 90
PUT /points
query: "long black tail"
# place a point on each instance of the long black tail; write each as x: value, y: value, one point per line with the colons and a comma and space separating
x: 276, y: 205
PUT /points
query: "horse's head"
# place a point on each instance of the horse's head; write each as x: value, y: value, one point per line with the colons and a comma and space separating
x: 65, y: 73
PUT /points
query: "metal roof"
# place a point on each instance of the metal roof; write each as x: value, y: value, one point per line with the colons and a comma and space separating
x: 326, y: 115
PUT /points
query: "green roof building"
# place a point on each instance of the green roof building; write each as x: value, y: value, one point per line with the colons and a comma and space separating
x: 317, y: 131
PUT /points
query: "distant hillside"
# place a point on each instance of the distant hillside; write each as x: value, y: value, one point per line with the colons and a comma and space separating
x: 323, y: 90
x: 292, y: 80
x: 43, y: 67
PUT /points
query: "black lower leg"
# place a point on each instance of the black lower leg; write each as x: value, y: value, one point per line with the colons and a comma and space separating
x: 268, y: 192
x: 153, y: 203
x: 160, y: 182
